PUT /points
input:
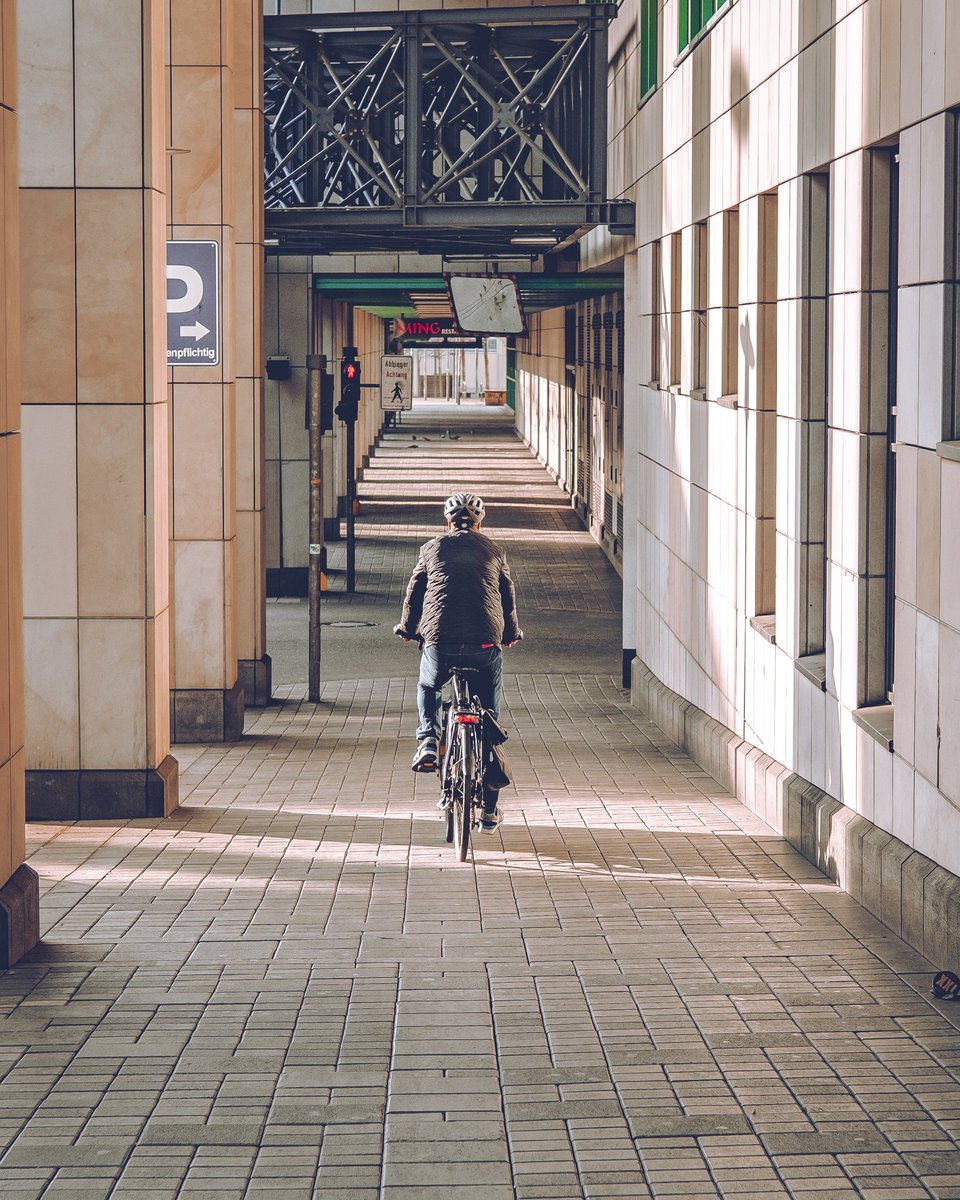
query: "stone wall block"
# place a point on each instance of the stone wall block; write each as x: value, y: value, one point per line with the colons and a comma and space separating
x: 778, y: 784
x: 108, y: 123
x: 941, y: 918
x: 892, y: 859
x: 47, y: 296
x: 795, y: 787
x: 19, y: 915
x: 872, y: 847
x: 916, y: 868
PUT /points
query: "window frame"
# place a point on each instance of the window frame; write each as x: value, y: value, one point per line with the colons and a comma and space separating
x: 766, y: 551
x: 699, y: 341
x: 649, y: 47
x: 675, y: 358
x: 730, y: 309
x: 695, y: 19
x: 951, y: 414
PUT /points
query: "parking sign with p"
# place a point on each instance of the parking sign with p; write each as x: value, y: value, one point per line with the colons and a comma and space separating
x: 193, y: 304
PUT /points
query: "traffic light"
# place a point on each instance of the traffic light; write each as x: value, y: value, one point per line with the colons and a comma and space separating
x: 349, y: 406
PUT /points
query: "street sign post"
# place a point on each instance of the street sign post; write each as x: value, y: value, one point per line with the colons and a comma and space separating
x: 193, y: 304
x: 396, y: 382
x: 316, y: 373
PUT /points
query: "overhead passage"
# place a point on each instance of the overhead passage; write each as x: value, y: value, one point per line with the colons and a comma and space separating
x: 480, y: 130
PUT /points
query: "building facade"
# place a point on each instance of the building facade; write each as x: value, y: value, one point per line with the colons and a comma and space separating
x: 19, y: 886
x: 759, y: 424
x: 133, y: 521
x: 791, y: 581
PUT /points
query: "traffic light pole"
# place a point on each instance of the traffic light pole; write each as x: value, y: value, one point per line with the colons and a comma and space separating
x: 316, y: 363
x: 351, y: 507
x: 348, y: 410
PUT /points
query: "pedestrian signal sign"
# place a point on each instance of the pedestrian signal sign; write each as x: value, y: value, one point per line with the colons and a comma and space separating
x: 396, y: 382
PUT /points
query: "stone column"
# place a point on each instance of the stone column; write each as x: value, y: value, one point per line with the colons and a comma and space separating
x: 19, y: 887
x: 95, y: 425
x: 288, y: 305
x: 802, y: 378
x: 207, y: 696
x: 254, y: 664
x: 636, y: 309
x: 861, y: 324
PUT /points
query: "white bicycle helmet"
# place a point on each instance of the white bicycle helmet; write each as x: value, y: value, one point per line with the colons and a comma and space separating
x: 463, y: 508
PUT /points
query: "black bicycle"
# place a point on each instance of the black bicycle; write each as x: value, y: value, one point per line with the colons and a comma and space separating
x: 461, y: 762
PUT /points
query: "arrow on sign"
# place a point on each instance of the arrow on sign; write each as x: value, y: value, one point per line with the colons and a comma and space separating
x: 195, y: 331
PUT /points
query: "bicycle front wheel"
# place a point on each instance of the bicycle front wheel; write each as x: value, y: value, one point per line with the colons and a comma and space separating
x: 463, y: 786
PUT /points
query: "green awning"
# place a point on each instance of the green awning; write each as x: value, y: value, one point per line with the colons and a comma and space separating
x: 392, y: 295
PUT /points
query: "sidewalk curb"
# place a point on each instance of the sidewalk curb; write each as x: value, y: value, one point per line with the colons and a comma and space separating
x: 910, y: 894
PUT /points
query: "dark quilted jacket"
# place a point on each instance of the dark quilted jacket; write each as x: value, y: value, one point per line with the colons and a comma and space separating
x: 461, y: 591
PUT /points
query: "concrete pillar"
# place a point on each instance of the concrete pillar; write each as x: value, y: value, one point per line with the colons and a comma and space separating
x: 19, y: 887
x: 635, y: 303
x: 207, y: 696
x: 288, y: 309
x: 297, y: 324
x: 254, y: 665
x: 95, y: 423
x: 332, y: 330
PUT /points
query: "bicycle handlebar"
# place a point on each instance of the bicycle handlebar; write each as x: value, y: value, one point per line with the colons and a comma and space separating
x: 415, y: 637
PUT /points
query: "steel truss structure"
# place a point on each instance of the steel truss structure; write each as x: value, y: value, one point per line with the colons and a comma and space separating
x: 437, y: 130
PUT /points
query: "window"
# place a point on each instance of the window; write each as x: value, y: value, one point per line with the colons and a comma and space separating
x: 813, y: 412
x: 648, y: 46
x: 700, y: 262
x: 730, y: 360
x: 656, y: 312
x: 570, y: 336
x: 694, y: 15
x: 608, y: 341
x: 951, y: 415
x: 892, y: 184
x: 766, y: 411
x: 676, y: 303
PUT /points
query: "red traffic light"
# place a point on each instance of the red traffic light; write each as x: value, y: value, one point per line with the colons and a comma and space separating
x: 351, y: 371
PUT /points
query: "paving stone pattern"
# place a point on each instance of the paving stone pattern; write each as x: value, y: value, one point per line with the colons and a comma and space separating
x: 435, y: 452
x: 291, y: 989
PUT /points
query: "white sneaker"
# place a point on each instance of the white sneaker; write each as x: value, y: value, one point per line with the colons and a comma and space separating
x: 425, y: 758
x: 490, y: 821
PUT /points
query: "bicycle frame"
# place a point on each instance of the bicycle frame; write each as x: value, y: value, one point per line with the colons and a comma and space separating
x: 461, y: 765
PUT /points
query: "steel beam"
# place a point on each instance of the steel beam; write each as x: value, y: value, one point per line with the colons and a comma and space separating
x: 441, y: 128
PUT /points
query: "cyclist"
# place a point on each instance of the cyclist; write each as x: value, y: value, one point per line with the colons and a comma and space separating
x: 460, y: 601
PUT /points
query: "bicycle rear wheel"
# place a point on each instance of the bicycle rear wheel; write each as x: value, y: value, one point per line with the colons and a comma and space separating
x: 447, y: 772
x: 463, y: 788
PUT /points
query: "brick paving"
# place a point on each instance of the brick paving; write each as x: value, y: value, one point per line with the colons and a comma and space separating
x: 291, y: 989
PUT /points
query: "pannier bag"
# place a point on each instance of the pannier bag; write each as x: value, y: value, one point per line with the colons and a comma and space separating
x: 496, y: 773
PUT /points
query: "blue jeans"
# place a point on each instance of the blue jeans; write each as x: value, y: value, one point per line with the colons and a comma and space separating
x: 436, y: 664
